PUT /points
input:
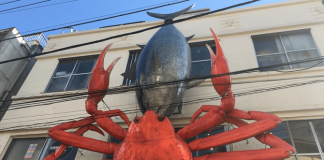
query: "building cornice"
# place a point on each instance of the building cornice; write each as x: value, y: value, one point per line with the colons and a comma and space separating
x: 195, y: 39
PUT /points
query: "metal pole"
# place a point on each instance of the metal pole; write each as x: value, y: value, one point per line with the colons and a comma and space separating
x: 292, y: 140
x: 316, y: 139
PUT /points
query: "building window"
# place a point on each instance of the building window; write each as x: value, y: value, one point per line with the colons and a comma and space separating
x: 25, y: 148
x: 278, y: 48
x: 52, y: 145
x: 307, y: 137
x: 217, y: 130
x: 37, y: 149
x: 200, y: 59
x: 133, y: 56
x: 72, y: 74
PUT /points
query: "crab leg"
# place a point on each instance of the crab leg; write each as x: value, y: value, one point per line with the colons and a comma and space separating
x: 280, y: 150
x: 62, y: 147
x: 78, y: 141
x: 261, y: 154
x: 210, y: 120
x: 109, y: 126
x: 234, y: 135
x: 268, y: 138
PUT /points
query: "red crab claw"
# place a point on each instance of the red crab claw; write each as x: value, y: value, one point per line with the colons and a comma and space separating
x: 221, y: 81
x: 99, y: 82
x: 222, y: 84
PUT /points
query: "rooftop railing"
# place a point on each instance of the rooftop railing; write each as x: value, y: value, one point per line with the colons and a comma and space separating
x: 40, y: 38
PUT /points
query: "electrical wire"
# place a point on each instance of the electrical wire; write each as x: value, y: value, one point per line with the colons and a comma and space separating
x: 24, y: 6
x: 129, y: 111
x: 52, y: 123
x: 97, y: 20
x: 83, y: 95
x: 122, y: 89
x: 37, y: 7
x: 63, y: 98
x: 8, y: 2
x: 69, y: 23
x: 129, y: 33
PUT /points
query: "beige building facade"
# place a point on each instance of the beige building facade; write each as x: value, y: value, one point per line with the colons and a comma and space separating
x: 251, y: 37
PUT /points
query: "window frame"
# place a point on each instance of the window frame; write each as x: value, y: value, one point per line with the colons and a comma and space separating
x: 137, y: 53
x: 203, y: 43
x: 279, y: 34
x: 132, y: 57
x: 296, y: 154
x: 12, y: 140
x: 72, y: 74
x: 44, y: 149
x: 197, y: 44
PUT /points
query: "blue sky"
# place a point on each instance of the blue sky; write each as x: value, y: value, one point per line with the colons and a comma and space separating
x: 35, y: 19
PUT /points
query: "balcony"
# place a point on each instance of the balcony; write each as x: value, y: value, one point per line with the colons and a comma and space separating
x: 39, y: 38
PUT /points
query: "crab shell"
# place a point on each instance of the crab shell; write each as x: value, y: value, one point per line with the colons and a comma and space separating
x: 151, y: 139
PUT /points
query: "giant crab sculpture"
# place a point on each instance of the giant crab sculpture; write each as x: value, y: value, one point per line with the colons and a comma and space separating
x: 149, y: 138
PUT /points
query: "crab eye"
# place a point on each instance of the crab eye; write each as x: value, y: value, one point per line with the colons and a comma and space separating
x: 160, y: 117
x: 136, y: 119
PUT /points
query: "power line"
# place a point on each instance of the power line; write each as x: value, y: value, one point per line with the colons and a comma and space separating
x: 64, y: 98
x: 142, y: 10
x: 69, y: 23
x: 9, y: 2
x: 24, y: 6
x: 199, y: 100
x: 130, y: 33
x: 237, y: 94
x: 38, y: 7
x: 123, y: 89
x: 131, y: 104
x: 290, y: 63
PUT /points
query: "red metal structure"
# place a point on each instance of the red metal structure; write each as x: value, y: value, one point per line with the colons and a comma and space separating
x: 148, y: 138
